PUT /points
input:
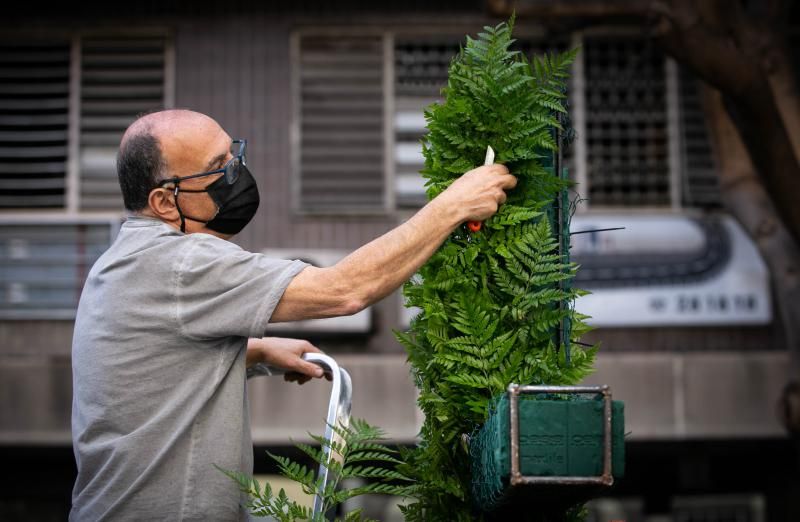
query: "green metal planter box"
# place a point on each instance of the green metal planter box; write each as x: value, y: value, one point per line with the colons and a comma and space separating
x: 567, y: 441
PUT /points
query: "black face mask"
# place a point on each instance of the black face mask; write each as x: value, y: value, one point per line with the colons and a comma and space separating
x: 236, y: 204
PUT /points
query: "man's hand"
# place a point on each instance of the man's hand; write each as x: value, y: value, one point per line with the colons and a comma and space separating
x: 478, y: 194
x: 281, y: 352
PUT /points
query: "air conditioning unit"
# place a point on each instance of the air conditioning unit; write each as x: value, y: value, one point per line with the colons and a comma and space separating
x: 669, y: 270
x: 665, y: 269
x: 360, y: 323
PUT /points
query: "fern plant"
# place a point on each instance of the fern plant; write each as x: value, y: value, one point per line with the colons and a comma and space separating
x: 358, y: 454
x: 491, y: 301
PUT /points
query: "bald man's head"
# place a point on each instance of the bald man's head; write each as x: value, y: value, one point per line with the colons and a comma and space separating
x: 143, y: 159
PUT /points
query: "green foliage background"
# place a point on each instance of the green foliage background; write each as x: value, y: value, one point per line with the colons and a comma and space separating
x: 489, y: 300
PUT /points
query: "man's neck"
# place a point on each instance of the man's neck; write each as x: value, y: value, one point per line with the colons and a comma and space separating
x: 148, y: 213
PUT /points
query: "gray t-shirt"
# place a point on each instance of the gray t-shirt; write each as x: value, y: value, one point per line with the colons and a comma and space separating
x: 158, y: 366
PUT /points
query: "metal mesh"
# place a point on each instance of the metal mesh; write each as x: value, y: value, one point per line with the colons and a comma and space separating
x: 700, y: 180
x: 490, y: 458
x: 626, y: 122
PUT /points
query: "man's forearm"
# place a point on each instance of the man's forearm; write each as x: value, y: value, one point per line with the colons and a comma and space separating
x: 378, y: 268
x: 382, y: 265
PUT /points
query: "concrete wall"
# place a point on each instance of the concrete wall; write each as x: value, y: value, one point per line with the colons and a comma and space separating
x: 729, y: 395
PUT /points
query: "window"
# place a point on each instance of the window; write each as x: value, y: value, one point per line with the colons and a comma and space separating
x: 645, y: 143
x: 34, y: 118
x: 626, y: 123
x: 641, y: 127
x: 420, y: 66
x: 699, y: 181
x: 120, y: 78
x: 340, y: 124
x: 64, y: 104
x: 44, y: 263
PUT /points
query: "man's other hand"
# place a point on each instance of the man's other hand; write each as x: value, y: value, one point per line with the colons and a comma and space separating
x: 479, y: 193
x: 285, y: 353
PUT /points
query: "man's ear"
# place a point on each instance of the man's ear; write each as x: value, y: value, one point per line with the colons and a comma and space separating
x: 162, y: 203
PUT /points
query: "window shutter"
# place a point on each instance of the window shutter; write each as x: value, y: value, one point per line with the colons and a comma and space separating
x: 121, y: 77
x: 34, y: 108
x: 626, y: 122
x: 701, y: 183
x: 43, y: 266
x: 340, y: 116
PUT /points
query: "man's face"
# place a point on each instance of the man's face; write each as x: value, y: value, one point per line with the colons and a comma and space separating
x: 190, y: 146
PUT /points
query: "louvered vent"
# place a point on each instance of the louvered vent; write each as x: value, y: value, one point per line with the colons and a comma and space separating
x: 43, y: 266
x: 626, y: 123
x: 120, y: 79
x: 341, y: 154
x: 700, y: 180
x: 34, y: 107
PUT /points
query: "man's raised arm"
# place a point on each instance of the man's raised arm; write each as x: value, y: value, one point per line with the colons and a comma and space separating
x: 381, y: 266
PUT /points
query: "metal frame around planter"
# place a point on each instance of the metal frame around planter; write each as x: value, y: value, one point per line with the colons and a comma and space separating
x: 517, y: 478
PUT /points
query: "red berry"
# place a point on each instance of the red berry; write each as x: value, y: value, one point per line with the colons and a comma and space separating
x: 474, y: 226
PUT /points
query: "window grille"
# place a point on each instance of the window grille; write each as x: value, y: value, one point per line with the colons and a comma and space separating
x: 700, y: 180
x: 626, y: 122
x: 34, y: 117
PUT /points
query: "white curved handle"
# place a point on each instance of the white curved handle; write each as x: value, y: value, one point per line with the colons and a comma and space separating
x: 338, y: 415
x: 338, y: 410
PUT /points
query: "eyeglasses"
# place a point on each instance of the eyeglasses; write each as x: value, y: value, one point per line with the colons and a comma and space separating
x: 230, y: 169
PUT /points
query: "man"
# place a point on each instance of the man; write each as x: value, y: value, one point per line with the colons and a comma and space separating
x: 172, y: 313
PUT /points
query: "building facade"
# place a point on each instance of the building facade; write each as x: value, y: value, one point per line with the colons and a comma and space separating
x: 331, y: 99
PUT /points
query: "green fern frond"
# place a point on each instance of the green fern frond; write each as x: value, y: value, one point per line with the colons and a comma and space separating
x: 492, y: 300
x: 360, y: 444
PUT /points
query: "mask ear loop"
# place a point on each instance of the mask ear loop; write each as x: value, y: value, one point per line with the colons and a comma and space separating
x: 180, y: 212
x: 177, y: 206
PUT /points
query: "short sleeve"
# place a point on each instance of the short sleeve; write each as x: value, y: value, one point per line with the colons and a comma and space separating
x: 222, y: 290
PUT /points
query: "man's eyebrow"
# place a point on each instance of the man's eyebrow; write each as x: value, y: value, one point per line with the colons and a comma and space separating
x: 216, y: 161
